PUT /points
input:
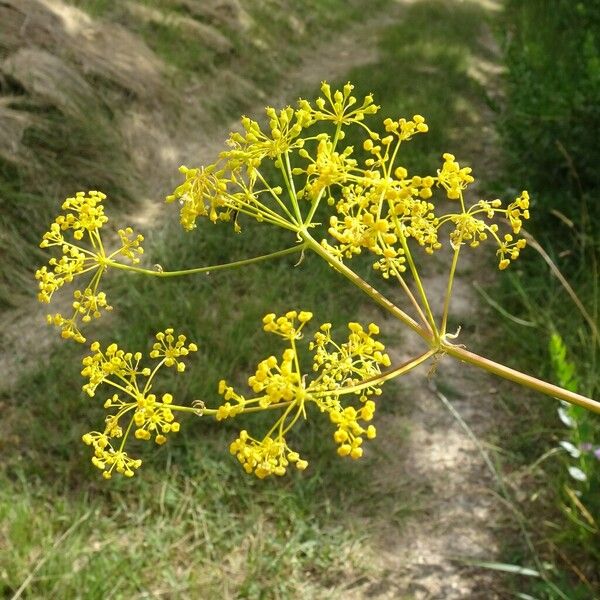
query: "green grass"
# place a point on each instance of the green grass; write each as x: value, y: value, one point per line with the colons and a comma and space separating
x: 192, y: 517
x: 67, y: 153
x: 548, y: 130
x: 562, y: 534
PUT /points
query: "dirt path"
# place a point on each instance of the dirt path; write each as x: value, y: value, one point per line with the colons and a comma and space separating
x: 439, y: 460
x: 430, y: 461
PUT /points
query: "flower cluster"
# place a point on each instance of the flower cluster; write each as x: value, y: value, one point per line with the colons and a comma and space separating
x: 269, y: 456
x: 471, y: 228
x: 133, y: 401
x: 339, y: 107
x: 349, y: 432
x: 202, y: 194
x: 378, y: 205
x: 375, y: 205
x: 235, y: 185
x: 384, y: 207
x: 329, y: 167
x: 338, y: 372
x: 453, y: 178
x: 76, y: 233
x: 249, y: 149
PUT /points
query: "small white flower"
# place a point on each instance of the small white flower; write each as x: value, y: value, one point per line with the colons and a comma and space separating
x: 565, y: 418
x: 577, y: 474
x: 571, y: 449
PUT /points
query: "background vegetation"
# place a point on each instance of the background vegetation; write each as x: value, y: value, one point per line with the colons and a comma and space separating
x: 550, y: 123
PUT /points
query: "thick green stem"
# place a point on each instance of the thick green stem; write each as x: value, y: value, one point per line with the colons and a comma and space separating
x: 533, y: 383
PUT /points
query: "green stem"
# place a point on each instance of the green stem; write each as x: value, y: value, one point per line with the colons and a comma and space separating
x: 449, y: 290
x: 279, y: 423
x: 125, y: 436
x: 450, y: 349
x: 528, y: 381
x: 151, y: 377
x: 313, y: 208
x: 275, y: 196
x: 412, y: 298
x: 210, y: 269
x: 253, y: 409
x: 190, y: 409
x: 286, y: 171
x: 379, y: 298
x: 417, y: 279
x: 380, y: 379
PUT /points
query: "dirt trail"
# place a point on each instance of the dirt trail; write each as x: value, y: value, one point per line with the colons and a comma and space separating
x: 426, y: 451
x: 429, y: 453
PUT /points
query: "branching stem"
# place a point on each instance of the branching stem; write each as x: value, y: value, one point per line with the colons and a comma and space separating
x: 209, y: 269
x: 440, y: 344
x: 377, y: 296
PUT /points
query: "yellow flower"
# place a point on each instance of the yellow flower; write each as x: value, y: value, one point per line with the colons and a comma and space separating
x: 203, y: 193
x: 77, y: 234
x: 285, y: 326
x: 134, y: 401
x: 281, y: 385
x: 170, y: 349
x: 340, y: 107
x: 404, y: 129
x: 470, y: 226
x: 108, y: 459
x: 328, y: 168
x: 454, y: 178
x: 250, y: 148
x: 269, y: 456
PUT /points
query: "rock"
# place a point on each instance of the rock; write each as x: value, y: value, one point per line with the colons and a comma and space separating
x: 47, y: 77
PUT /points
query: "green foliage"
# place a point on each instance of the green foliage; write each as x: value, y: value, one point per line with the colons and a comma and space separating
x: 557, y: 449
x: 549, y: 128
x: 553, y: 85
x: 582, y: 459
x: 564, y: 370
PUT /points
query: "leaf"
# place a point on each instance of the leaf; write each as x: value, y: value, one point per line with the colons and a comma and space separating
x: 507, y: 568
